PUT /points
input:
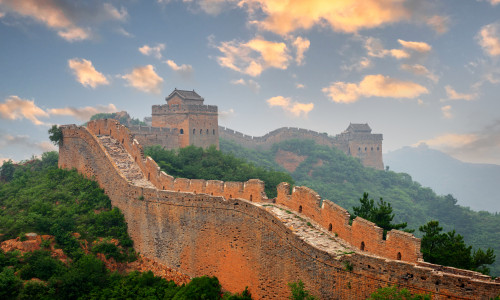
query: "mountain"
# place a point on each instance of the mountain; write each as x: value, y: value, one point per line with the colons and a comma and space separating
x: 473, y: 185
x: 343, y: 180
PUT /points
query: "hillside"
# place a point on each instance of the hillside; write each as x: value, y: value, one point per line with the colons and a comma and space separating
x: 343, y: 180
x: 473, y: 185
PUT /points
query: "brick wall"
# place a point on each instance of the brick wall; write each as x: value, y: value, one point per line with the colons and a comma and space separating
x: 241, y: 243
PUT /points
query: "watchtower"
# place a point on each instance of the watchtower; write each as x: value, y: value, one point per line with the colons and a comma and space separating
x: 363, y: 144
x: 197, y: 123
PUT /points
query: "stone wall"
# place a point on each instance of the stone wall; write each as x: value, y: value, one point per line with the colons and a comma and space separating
x: 366, y: 147
x: 188, y: 228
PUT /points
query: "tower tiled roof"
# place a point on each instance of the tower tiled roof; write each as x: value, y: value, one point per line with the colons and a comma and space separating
x: 358, y: 128
x: 185, y: 95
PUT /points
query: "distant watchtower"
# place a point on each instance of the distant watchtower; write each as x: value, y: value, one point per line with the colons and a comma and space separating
x: 197, y: 123
x: 363, y: 144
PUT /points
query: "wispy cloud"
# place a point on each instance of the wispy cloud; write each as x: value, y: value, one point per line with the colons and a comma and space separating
x: 253, y: 85
x: 489, y: 38
x: 25, y: 141
x: 283, y: 17
x: 86, y: 74
x: 254, y: 56
x: 375, y: 48
x: 297, y: 109
x: 454, y: 95
x: 420, y: 70
x: 153, y: 51
x: 184, y: 70
x: 446, y: 110
x: 494, y: 2
x: 373, y: 86
x: 82, y: 113
x: 300, y: 86
x: 359, y: 65
x: 15, y: 108
x: 226, y: 114
x: 65, y: 16
x: 421, y: 47
x: 301, y: 45
x: 144, y: 79
x: 440, y: 24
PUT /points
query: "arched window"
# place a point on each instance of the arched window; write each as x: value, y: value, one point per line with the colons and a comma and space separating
x: 230, y: 196
x: 300, y: 209
x: 362, y: 246
x: 213, y: 131
x: 194, y: 131
x: 372, y: 149
x: 251, y: 197
x: 207, y: 131
x: 359, y: 148
x: 378, y: 148
x: 330, y: 227
x: 201, y: 131
x: 365, y: 148
x: 182, y: 131
x: 149, y: 176
x: 399, y: 255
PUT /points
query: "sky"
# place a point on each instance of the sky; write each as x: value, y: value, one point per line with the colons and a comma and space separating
x: 416, y: 71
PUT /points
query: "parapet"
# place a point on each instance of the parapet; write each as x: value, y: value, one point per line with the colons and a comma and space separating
x: 192, y: 108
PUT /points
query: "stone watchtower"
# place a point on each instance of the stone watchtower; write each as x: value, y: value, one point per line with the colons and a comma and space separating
x: 196, y: 123
x: 363, y: 144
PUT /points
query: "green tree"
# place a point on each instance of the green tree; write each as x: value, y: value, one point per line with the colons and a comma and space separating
x: 449, y: 249
x: 394, y: 293
x: 380, y: 214
x: 7, y: 170
x: 10, y: 284
x: 299, y: 292
x: 55, y: 135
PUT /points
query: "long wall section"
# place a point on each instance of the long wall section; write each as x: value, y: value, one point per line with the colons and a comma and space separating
x: 215, y: 228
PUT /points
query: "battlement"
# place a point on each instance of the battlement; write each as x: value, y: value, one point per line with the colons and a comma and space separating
x: 191, y: 108
x: 222, y: 228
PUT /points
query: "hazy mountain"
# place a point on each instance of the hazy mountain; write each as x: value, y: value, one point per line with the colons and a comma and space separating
x: 473, y: 185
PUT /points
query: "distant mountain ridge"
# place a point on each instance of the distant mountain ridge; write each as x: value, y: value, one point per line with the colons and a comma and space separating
x: 473, y: 185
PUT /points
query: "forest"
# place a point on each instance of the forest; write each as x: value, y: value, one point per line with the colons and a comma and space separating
x: 343, y: 180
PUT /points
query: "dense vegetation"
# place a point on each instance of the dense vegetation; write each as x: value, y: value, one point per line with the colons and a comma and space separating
x: 210, y: 164
x: 342, y: 179
x: 36, y: 196
x: 122, y: 117
x: 394, y: 293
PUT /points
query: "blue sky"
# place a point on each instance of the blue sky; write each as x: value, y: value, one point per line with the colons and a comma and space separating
x: 416, y: 71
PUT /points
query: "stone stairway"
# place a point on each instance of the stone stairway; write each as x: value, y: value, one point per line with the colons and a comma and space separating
x: 124, y: 161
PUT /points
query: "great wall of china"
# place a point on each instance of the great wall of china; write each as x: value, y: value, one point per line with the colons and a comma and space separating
x: 232, y: 231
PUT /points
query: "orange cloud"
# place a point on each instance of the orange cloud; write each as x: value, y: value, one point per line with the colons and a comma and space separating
x: 285, y: 16
x: 420, y: 70
x: 416, y: 46
x: 450, y: 140
x: 494, y: 2
x: 375, y: 48
x: 446, y: 110
x: 253, y: 57
x: 489, y: 39
x: 295, y: 108
x: 439, y: 23
x: 86, y: 74
x: 144, y: 79
x: 454, y: 95
x: 302, y: 45
x: 373, y: 86
x: 83, y: 113
x: 50, y: 13
x: 152, y: 51
x: 15, y: 108
x: 183, y: 70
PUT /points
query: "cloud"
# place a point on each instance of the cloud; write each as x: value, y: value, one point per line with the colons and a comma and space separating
x: 373, y: 86
x: 375, y: 48
x: 494, y: 2
x: 421, y: 71
x: 253, y: 85
x: 300, y: 86
x: 213, y: 7
x: 86, y: 74
x: 302, y: 45
x: 51, y: 13
x: 440, y: 24
x: 254, y: 56
x: 416, y: 46
x: 454, y: 95
x: 152, y: 51
x: 446, y: 110
x: 144, y: 79
x: 183, y: 70
x: 295, y: 108
x: 25, y: 141
x: 226, y: 114
x: 489, y: 38
x: 15, y: 108
x: 361, y: 64
x: 2, y: 14
x: 480, y: 146
x: 285, y: 16
x: 83, y: 113
x: 66, y: 17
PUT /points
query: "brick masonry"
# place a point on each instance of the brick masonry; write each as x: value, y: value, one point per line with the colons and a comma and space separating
x: 224, y: 229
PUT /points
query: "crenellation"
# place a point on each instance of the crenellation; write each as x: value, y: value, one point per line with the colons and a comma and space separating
x: 243, y: 244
